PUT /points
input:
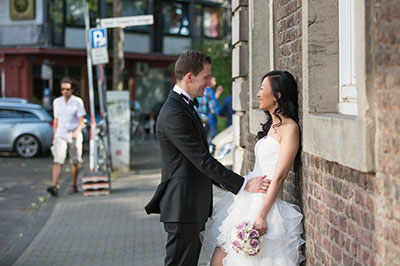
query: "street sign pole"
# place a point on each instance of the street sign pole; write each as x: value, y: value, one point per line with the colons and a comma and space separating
x: 93, y: 135
x: 3, y: 77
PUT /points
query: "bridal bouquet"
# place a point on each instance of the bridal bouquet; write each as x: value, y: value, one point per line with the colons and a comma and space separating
x: 245, y: 240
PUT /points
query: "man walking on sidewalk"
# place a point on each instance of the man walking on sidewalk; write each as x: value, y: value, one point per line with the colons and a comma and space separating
x: 68, y: 122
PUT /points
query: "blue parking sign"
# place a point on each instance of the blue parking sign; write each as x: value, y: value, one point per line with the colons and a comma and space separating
x: 98, y: 38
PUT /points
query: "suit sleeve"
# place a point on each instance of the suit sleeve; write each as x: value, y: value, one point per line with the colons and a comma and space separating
x: 181, y: 131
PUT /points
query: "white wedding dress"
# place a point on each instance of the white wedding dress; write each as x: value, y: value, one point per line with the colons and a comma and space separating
x: 280, y: 246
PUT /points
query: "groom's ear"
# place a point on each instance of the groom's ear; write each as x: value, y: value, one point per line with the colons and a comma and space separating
x: 188, y: 77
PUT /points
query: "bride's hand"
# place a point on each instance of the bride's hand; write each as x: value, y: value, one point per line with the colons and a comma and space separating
x: 260, y: 224
x: 258, y: 185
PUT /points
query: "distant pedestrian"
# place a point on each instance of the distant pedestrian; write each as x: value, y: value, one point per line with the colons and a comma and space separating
x: 227, y: 110
x: 69, y: 113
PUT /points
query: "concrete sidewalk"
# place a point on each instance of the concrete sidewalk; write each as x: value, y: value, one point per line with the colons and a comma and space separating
x: 107, y: 230
x: 104, y: 230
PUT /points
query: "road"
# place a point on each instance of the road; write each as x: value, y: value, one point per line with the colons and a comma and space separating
x: 22, y: 193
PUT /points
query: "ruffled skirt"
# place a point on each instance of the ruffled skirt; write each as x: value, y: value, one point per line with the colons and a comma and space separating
x: 280, y: 246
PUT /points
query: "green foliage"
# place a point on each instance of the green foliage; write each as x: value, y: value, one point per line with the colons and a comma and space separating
x: 221, y: 123
x: 221, y: 53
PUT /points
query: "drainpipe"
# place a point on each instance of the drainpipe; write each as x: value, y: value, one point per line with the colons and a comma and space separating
x: 191, y: 21
x: 3, y: 77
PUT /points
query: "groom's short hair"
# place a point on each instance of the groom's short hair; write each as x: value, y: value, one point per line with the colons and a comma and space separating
x: 190, y: 61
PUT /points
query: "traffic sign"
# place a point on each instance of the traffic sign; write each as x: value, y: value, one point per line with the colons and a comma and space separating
x: 98, y: 37
x: 98, y: 41
x: 126, y: 21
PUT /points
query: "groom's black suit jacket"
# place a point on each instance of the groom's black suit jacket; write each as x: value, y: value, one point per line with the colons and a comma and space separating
x: 188, y: 169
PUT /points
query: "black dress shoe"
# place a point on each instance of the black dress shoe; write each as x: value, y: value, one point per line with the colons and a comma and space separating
x: 53, y: 191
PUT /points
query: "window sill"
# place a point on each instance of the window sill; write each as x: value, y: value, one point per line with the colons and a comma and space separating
x: 345, y: 139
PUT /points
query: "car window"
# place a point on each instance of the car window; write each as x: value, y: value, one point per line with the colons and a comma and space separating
x: 6, y: 113
x: 28, y: 115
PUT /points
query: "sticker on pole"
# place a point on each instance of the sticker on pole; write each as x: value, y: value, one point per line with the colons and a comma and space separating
x: 98, y: 43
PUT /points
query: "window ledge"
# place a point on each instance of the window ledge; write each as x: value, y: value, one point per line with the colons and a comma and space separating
x: 345, y: 139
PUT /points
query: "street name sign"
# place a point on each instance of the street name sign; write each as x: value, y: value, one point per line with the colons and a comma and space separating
x: 98, y: 43
x: 126, y: 21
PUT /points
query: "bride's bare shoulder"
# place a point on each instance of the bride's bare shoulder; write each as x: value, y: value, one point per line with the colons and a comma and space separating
x: 290, y: 127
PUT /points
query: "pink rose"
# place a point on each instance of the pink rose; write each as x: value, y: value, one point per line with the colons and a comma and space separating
x: 236, y: 246
x: 242, y: 225
x: 241, y: 235
x: 254, y: 243
x: 253, y: 234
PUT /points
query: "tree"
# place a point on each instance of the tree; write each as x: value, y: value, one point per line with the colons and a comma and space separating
x: 118, y: 77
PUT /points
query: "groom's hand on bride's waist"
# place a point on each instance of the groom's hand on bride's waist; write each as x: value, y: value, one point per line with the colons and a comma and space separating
x: 258, y: 185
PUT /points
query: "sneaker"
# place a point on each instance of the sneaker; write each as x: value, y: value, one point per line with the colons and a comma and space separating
x: 72, y: 190
x: 53, y: 190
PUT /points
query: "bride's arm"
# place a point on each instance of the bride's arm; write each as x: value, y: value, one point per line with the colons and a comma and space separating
x: 288, y: 150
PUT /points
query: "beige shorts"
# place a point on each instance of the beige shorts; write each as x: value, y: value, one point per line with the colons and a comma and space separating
x: 74, y: 149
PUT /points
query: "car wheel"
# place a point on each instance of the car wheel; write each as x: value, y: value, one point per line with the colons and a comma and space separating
x: 27, y: 146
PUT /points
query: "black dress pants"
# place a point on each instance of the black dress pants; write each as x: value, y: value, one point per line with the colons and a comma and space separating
x: 183, y: 244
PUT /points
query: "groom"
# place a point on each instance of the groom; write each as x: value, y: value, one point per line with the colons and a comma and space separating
x: 184, y: 197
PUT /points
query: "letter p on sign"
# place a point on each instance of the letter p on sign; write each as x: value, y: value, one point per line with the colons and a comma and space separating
x: 98, y: 37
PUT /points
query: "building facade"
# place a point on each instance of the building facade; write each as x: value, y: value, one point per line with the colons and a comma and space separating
x: 51, y: 33
x: 345, y: 56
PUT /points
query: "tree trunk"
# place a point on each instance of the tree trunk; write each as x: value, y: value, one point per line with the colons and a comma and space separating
x: 118, y: 37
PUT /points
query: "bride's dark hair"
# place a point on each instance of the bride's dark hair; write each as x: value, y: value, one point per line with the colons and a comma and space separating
x: 284, y: 83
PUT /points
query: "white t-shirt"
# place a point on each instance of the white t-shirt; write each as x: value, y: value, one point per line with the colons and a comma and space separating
x: 67, y: 114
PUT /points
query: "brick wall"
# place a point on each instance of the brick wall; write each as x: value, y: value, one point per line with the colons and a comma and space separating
x: 339, y: 209
x: 353, y: 218
x: 350, y: 217
x: 385, y: 47
x: 387, y: 179
x: 287, y: 46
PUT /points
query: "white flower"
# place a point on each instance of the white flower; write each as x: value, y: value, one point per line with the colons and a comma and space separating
x: 203, y: 119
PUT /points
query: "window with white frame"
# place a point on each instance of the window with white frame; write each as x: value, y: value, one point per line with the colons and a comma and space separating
x: 347, y: 72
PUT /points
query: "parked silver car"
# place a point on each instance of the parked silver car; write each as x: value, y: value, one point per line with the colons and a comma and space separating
x: 25, y: 128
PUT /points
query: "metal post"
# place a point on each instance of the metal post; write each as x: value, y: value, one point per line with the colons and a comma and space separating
x: 191, y: 21
x: 3, y: 77
x: 51, y: 88
x: 93, y: 135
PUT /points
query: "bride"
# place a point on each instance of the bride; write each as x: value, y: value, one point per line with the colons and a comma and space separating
x: 278, y: 222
